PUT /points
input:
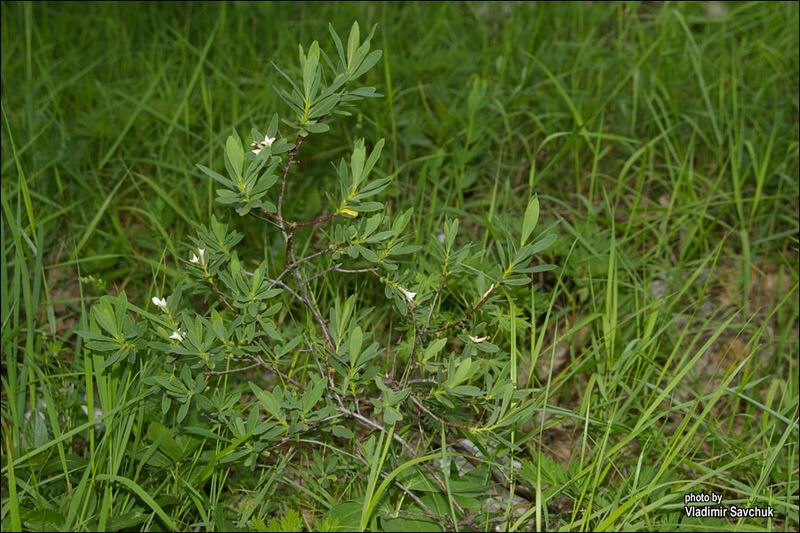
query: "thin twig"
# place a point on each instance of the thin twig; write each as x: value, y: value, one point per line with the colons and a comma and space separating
x: 275, y: 371
x: 472, y: 311
x: 417, y: 342
x: 337, y: 268
x: 218, y: 292
x: 436, y: 295
x: 288, y: 239
x: 406, y: 446
x: 439, y: 419
x: 497, y: 474
x: 210, y: 373
x: 431, y: 382
x: 430, y: 514
x: 278, y: 219
x: 285, y: 287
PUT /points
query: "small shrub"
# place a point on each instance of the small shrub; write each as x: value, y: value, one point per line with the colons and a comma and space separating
x: 258, y: 350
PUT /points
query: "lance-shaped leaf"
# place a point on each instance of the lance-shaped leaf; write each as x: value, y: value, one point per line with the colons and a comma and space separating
x: 356, y: 339
x: 530, y: 219
x: 235, y: 153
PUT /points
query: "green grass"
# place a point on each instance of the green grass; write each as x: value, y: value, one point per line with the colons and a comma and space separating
x: 661, y: 140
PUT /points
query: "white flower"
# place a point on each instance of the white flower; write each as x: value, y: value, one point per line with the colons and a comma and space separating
x: 476, y: 340
x: 488, y: 291
x: 262, y: 144
x: 160, y: 302
x: 177, y: 335
x: 408, y: 294
x: 97, y: 411
x: 98, y: 415
x: 195, y: 260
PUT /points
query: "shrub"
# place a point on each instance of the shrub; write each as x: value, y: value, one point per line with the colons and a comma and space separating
x: 258, y: 351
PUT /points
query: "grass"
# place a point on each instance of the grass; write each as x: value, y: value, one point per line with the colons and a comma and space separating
x: 661, y: 140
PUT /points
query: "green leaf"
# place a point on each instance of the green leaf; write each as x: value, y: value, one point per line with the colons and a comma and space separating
x: 520, y: 413
x: 163, y: 438
x: 269, y: 402
x: 547, y: 267
x: 317, y: 127
x: 310, y: 68
x: 530, y: 219
x: 342, y: 432
x: 374, y: 156
x: 409, y: 524
x: 311, y: 398
x: 391, y: 416
x: 394, y: 473
x: 543, y: 243
x: 126, y: 521
x: 43, y: 520
x: 233, y: 148
x: 272, y: 129
x: 462, y: 372
x: 368, y: 63
x: 450, y: 231
x: 104, y: 315
x: 356, y: 339
x: 487, y: 347
x: 352, y: 44
x: 346, y: 515
x: 146, y: 498
x: 466, y: 390
x: 434, y: 348
x: 117, y: 357
x: 357, y: 162
x: 219, y: 178
x: 368, y: 254
x: 183, y: 411
x: 338, y: 42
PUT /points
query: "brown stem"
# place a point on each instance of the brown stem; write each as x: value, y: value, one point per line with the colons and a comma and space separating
x: 322, y: 219
x: 337, y: 268
x: 273, y: 218
x: 406, y: 446
x: 442, y: 280
x: 288, y: 239
x: 275, y: 371
x: 288, y: 289
x: 497, y: 474
x: 219, y: 293
x: 305, y: 259
x: 210, y: 373
x: 437, y: 418
x: 289, y: 162
x: 426, y: 510
x: 472, y: 311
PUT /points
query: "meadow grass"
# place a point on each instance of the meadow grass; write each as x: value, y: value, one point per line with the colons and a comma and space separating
x: 661, y: 139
